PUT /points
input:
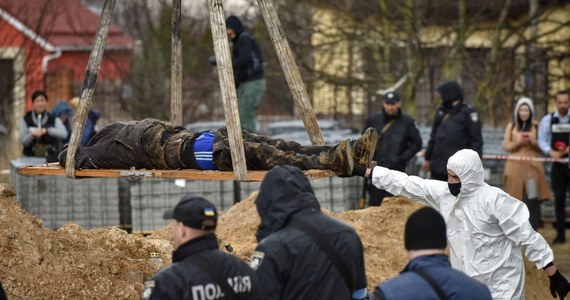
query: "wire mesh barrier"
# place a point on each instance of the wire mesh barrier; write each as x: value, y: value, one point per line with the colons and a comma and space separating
x: 138, y: 204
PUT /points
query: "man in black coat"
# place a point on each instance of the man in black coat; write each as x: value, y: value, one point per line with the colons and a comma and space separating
x: 302, y: 253
x: 200, y: 270
x: 398, y: 140
x: 456, y: 126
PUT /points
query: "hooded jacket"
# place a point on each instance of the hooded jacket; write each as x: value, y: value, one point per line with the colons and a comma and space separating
x: 454, y: 129
x: 517, y: 173
x: 247, y: 60
x: 289, y: 261
x: 487, y: 228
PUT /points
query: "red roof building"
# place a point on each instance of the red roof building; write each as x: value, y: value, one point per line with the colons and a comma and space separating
x: 49, y: 43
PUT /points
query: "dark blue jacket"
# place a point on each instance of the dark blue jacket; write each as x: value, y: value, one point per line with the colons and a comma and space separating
x: 90, y: 126
x: 289, y: 262
x: 409, y: 285
x: 453, y: 130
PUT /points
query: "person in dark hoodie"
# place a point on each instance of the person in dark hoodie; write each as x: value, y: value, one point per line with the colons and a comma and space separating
x: 199, y: 270
x: 398, y: 140
x: 303, y: 253
x: 247, y: 62
x: 456, y: 126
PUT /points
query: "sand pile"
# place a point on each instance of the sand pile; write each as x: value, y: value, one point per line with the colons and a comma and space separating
x: 72, y: 263
x: 37, y: 263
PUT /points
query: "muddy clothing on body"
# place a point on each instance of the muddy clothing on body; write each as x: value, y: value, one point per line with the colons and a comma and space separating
x: 152, y: 144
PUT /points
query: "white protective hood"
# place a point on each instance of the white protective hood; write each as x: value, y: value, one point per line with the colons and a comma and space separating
x: 486, y: 228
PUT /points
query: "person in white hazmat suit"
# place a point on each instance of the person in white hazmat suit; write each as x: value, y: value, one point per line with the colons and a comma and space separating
x: 487, y: 228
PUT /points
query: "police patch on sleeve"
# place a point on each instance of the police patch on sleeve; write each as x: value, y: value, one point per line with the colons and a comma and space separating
x: 256, y: 260
x: 474, y: 117
x: 148, y: 287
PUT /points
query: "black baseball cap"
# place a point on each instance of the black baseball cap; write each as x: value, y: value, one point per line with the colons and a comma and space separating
x: 194, y: 212
x: 391, y: 97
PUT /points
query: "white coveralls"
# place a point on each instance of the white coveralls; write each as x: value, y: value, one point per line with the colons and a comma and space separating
x: 486, y: 228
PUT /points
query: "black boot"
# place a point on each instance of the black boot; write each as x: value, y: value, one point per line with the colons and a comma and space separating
x: 340, y: 159
x: 365, y: 147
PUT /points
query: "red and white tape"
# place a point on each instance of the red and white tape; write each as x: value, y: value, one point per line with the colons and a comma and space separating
x: 524, y: 158
x: 514, y: 157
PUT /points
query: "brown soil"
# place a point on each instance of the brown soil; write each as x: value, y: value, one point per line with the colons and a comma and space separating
x: 107, y: 263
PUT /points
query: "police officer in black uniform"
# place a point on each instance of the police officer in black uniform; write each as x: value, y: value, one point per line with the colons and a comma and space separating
x: 199, y: 270
x: 456, y: 126
x: 302, y: 253
x: 398, y: 140
x: 553, y: 140
x: 41, y: 133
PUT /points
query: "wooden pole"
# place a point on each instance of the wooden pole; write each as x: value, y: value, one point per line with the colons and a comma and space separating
x: 291, y: 71
x: 176, y: 66
x: 227, y: 85
x: 89, y: 82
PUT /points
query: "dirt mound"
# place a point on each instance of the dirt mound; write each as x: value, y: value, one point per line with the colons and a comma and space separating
x: 37, y: 263
x: 72, y: 263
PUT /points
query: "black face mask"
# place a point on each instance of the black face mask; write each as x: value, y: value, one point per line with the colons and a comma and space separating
x: 454, y: 188
x: 448, y: 105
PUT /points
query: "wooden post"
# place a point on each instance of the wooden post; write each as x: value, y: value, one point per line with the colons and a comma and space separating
x: 89, y: 82
x: 291, y: 71
x: 176, y: 66
x: 227, y: 85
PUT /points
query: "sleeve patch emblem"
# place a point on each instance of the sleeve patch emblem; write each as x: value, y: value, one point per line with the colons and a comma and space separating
x: 256, y: 260
x: 474, y: 117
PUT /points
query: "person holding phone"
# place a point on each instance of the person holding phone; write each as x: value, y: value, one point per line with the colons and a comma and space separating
x: 525, y: 179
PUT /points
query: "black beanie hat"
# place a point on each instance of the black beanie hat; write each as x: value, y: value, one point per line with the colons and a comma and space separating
x: 425, y: 229
x: 450, y: 91
x: 234, y: 23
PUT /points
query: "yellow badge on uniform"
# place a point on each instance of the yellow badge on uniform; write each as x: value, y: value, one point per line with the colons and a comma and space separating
x: 256, y: 260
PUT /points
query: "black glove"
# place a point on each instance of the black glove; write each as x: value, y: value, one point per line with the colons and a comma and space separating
x: 559, y: 285
x: 358, y: 170
x: 212, y: 60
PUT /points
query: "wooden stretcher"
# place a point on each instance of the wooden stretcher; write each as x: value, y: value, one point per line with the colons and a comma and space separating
x: 55, y: 169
